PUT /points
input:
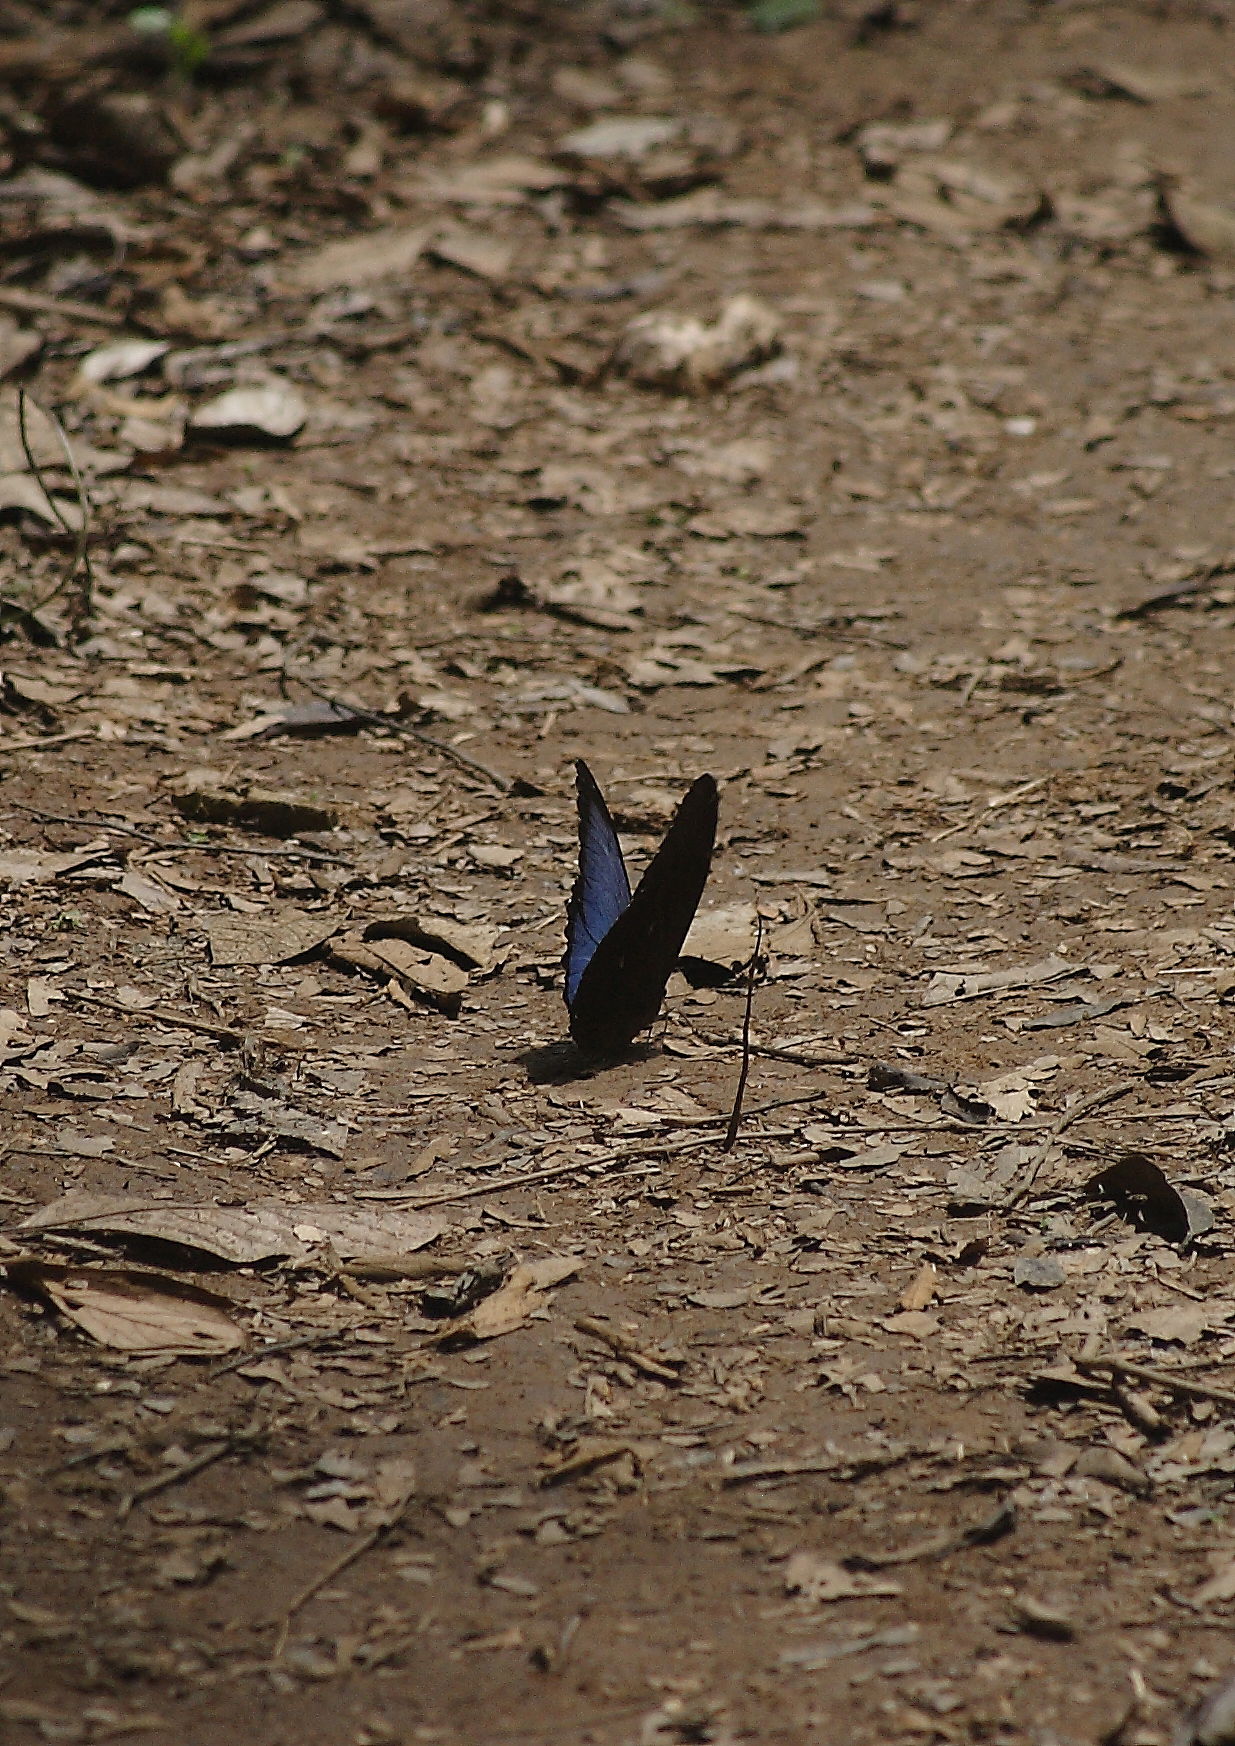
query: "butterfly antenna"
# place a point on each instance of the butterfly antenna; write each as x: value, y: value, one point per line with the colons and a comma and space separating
x: 735, y: 1115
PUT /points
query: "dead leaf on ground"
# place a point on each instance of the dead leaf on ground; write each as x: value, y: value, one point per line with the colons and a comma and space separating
x: 265, y: 1230
x: 946, y: 986
x: 257, y: 1118
x: 207, y: 798
x: 425, y: 973
x: 1038, y: 1618
x: 132, y: 1311
x: 1212, y: 1722
x: 1206, y: 227
x: 590, y: 591
x: 711, y: 209
x: 680, y: 352
x: 884, y: 145
x: 1177, y: 1324
x: 1010, y: 1095
x: 33, y: 867
x: 298, y: 721
x: 485, y: 257
x: 764, y: 520
x: 268, y: 937
x: 121, y: 360
x: 954, y: 197
x: 360, y: 260
x: 501, y: 181
x: 587, y: 1454
x: 1038, y: 1272
x: 473, y: 946
x: 150, y: 894
x: 721, y: 939
x: 40, y: 431
x: 621, y: 136
x: 17, y: 345
x: 1221, y: 1585
x: 921, y: 1291
x: 21, y: 492
x: 658, y: 154
x: 822, y: 1580
x: 420, y: 972
x: 661, y: 664
x: 1114, y: 78
x: 269, y: 412
x: 514, y: 1303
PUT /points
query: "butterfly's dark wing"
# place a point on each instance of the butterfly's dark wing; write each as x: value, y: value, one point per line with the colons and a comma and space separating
x: 601, y: 890
x: 622, y: 985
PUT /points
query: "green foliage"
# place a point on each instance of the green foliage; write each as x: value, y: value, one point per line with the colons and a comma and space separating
x: 188, y: 47
x: 772, y: 15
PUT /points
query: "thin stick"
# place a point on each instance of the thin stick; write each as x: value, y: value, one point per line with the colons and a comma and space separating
x: 735, y: 1116
x: 275, y: 1351
x: 667, y: 1148
x: 212, y: 1453
x: 503, y: 784
x: 185, y: 845
x: 164, y: 1017
x: 34, y: 303
x: 615, y: 1157
x: 798, y: 1057
x: 114, y: 1446
x: 621, y: 1347
x: 1158, y: 1378
x: 336, y: 1567
x: 714, y: 1121
x: 858, y: 1466
x: 81, y: 534
x: 1108, y: 1094
x: 42, y: 742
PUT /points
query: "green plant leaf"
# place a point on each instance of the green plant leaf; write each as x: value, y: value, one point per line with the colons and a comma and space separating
x: 772, y: 15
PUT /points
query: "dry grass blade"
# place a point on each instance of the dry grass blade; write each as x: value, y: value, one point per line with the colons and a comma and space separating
x: 80, y: 560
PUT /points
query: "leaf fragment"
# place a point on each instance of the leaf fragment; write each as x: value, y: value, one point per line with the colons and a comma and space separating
x: 514, y: 1303
x: 663, y: 349
x: 134, y: 1311
x: 270, y: 412
x: 822, y: 1580
x: 265, y: 1230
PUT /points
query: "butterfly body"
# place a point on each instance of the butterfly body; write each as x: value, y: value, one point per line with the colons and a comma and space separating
x: 621, y: 948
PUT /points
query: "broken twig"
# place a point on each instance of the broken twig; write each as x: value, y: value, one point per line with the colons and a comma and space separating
x: 503, y: 784
x: 206, y: 1458
x: 735, y: 1118
x: 1095, y: 1100
x: 183, y: 845
x: 336, y: 1567
x: 626, y: 1349
x: 1164, y: 1379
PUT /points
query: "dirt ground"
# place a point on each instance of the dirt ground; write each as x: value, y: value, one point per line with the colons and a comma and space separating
x: 373, y: 1369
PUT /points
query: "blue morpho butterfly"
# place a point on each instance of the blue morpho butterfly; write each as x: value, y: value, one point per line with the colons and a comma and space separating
x: 620, y: 950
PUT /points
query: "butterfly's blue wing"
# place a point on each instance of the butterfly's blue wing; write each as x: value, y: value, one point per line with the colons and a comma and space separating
x: 602, y: 889
x: 620, y: 988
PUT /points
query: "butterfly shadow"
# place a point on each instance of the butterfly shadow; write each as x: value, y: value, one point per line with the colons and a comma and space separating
x: 563, y: 1062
